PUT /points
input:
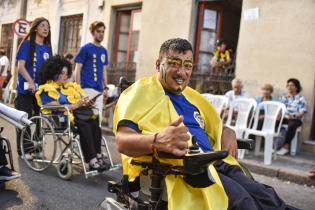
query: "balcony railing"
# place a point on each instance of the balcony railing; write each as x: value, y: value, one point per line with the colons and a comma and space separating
x: 116, y: 70
x: 207, y: 80
x: 204, y: 79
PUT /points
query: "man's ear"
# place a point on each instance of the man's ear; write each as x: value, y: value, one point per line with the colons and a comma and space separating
x: 157, y: 65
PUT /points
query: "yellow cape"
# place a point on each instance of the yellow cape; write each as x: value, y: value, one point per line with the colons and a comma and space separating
x: 72, y: 90
x: 146, y: 104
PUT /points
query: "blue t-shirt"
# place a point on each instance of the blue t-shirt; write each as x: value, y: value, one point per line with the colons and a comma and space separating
x: 192, y: 120
x: 41, y: 54
x: 93, y: 58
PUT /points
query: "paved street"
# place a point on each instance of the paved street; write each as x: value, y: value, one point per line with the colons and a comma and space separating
x: 47, y: 191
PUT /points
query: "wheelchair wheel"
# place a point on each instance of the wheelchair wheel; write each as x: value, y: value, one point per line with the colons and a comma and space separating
x: 64, y: 169
x: 38, y: 144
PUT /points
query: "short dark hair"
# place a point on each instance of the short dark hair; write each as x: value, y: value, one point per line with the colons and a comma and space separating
x: 95, y: 25
x: 69, y: 56
x: 52, y: 67
x: 296, y: 83
x: 177, y: 45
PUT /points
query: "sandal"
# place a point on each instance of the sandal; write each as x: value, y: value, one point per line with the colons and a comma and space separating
x: 97, y: 166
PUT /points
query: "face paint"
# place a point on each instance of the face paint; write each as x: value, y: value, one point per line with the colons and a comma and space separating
x: 175, y: 70
x: 163, y: 71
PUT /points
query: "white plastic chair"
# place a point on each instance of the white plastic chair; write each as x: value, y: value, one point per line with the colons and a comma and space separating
x: 218, y: 101
x: 273, y: 111
x: 244, y: 107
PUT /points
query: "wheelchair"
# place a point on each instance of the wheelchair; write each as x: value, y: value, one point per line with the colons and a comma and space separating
x: 6, y: 146
x: 52, y: 140
x: 195, y: 163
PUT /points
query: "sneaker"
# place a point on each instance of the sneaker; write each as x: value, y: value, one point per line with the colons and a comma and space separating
x: 6, y: 174
x: 27, y: 156
x: 283, y: 151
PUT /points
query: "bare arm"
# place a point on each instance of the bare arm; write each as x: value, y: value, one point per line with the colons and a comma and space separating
x: 228, y: 140
x: 22, y: 70
x: 172, y: 139
x: 104, y: 77
x: 77, y: 71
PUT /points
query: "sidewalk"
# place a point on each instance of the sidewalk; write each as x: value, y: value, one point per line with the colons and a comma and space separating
x: 290, y: 168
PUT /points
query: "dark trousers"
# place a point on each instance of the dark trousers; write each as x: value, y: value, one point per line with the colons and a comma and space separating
x: 3, y: 159
x: 28, y: 104
x: 90, y: 138
x: 292, y: 126
x: 245, y: 193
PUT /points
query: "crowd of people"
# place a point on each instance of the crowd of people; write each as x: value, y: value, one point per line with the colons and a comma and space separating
x: 44, y: 79
x: 295, y: 104
x: 164, y: 120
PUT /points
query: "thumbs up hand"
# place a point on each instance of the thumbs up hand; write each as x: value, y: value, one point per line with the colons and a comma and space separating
x: 173, y: 139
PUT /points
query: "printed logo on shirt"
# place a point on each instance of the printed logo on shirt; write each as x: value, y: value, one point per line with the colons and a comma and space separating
x: 103, y: 58
x: 199, y: 119
x: 45, y: 56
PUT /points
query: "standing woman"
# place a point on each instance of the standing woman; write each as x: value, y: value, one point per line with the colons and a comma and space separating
x: 33, y: 51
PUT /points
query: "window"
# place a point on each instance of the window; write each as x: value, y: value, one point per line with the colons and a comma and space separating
x: 209, y: 29
x: 127, y: 36
x: 7, y: 39
x: 70, y: 34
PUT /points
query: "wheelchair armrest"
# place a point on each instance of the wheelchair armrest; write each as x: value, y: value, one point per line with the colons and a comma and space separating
x: 196, y: 163
x: 55, y: 107
x: 245, y: 143
x: 193, y: 163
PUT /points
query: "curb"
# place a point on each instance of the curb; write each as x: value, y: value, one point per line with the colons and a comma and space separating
x: 292, y: 175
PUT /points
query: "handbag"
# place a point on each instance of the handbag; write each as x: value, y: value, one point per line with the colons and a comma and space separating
x: 85, y: 113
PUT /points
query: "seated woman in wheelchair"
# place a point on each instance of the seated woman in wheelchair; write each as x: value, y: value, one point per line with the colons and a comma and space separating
x: 160, y: 113
x: 56, y: 90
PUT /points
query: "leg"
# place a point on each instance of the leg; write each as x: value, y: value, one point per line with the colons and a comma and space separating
x: 86, y: 139
x: 3, y: 159
x: 292, y: 126
x: 239, y: 198
x: 265, y: 196
x: 97, y: 135
x: 23, y: 103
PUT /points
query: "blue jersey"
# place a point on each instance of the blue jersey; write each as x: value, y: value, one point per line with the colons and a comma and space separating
x: 41, y: 54
x: 192, y: 120
x: 93, y: 58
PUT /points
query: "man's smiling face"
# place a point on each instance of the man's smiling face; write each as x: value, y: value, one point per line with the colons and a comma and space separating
x: 175, y: 69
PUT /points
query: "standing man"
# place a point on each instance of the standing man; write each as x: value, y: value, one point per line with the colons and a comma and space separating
x: 4, y: 67
x: 91, y: 61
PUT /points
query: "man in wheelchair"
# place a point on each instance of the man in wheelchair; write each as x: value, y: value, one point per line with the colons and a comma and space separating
x: 56, y: 90
x: 161, y: 114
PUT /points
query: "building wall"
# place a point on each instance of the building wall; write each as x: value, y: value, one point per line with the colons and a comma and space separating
x: 277, y: 46
x: 160, y: 23
x: 9, y: 12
